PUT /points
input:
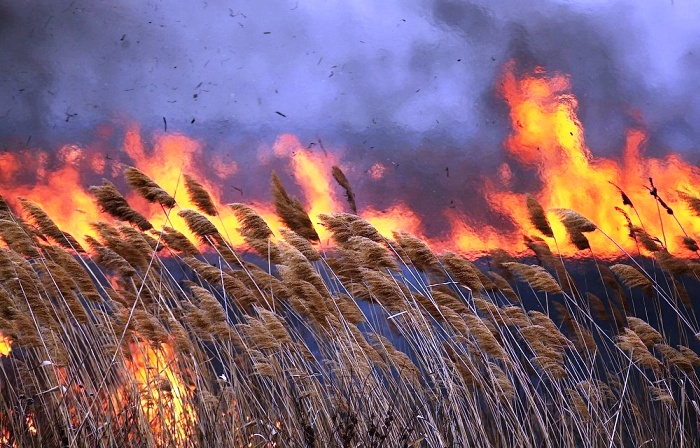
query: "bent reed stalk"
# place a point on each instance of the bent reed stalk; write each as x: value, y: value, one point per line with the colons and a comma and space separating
x: 145, y: 338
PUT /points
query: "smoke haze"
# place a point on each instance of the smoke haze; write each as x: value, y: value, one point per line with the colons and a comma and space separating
x: 412, y: 84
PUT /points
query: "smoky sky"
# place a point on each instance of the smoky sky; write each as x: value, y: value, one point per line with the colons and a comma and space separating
x: 400, y: 81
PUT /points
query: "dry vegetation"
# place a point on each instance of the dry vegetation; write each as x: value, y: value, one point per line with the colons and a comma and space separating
x: 141, y: 339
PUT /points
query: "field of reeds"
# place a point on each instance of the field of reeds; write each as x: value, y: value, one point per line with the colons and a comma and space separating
x: 147, y: 338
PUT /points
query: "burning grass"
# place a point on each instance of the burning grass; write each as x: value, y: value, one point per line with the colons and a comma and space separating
x: 138, y: 322
x: 145, y: 341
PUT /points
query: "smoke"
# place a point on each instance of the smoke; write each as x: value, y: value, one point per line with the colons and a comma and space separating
x: 412, y: 84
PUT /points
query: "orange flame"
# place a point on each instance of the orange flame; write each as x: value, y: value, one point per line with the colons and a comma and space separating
x: 60, y: 193
x: 5, y: 345
x: 165, y: 398
x: 397, y: 217
x: 548, y: 136
x: 313, y: 174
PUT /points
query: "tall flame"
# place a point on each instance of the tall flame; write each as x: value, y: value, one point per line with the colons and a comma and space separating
x: 547, y: 140
x: 548, y: 136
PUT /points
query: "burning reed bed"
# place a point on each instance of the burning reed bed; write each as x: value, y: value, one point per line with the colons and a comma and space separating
x: 145, y: 338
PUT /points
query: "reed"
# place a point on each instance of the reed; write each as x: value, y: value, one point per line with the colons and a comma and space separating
x: 145, y: 338
x: 147, y: 188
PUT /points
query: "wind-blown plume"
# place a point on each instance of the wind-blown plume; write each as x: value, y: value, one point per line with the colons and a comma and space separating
x: 339, y: 177
x: 179, y: 242
x: 503, y: 286
x: 674, y: 357
x: 291, y: 211
x: 690, y: 355
x: 418, y: 252
x: 646, y: 332
x: 48, y: 227
x: 199, y: 224
x: 633, y: 344
x: 113, y: 203
x: 465, y: 272
x: 536, y: 276
x: 252, y: 225
x: 17, y: 238
x: 112, y: 260
x: 147, y: 188
x: 537, y: 216
x: 575, y: 225
x: 630, y: 276
x: 650, y: 243
x: 301, y: 244
x: 199, y: 196
x: 4, y: 208
x: 345, y: 225
x: 255, y: 231
x: 573, y: 221
x: 690, y: 244
x: 692, y: 201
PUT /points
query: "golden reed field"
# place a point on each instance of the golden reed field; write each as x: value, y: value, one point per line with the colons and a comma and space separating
x: 160, y: 317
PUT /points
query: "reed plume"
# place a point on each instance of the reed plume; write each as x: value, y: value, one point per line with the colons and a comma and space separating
x: 646, y: 332
x: 200, y: 196
x: 536, y: 276
x: 255, y: 231
x: 17, y: 238
x: 368, y: 343
x: 538, y: 218
x: 113, y: 203
x: 291, y: 211
x: 339, y: 177
x: 301, y: 244
x: 502, y: 285
x: 465, y: 272
x: 675, y: 358
x: 419, y: 254
x: 48, y: 227
x: 632, y: 343
x: 200, y: 225
x: 690, y: 355
x: 178, y: 242
x: 147, y: 188
x: 692, y: 202
x: 630, y: 276
x: 576, y: 225
x: 672, y: 264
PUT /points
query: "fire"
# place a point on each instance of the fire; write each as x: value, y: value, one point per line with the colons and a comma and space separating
x: 313, y: 173
x: 173, y: 155
x: 165, y: 398
x: 59, y: 192
x: 547, y: 138
x: 397, y: 217
x: 5, y: 345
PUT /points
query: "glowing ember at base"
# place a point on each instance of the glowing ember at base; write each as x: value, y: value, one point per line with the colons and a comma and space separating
x: 165, y: 398
x: 5, y: 345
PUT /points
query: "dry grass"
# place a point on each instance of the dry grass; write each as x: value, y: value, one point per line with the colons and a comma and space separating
x: 343, y: 181
x: 200, y: 196
x: 373, y: 342
x: 147, y: 188
x: 291, y: 211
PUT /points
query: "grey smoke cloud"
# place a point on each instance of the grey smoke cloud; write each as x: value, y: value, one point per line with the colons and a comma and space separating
x: 396, y: 80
